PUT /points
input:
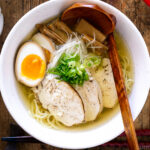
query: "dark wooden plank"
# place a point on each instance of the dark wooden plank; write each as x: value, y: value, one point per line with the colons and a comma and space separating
x: 11, y: 15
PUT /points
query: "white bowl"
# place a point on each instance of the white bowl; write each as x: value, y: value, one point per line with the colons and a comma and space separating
x: 68, y: 139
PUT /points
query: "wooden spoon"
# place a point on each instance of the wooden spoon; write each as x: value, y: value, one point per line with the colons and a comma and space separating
x: 90, y: 12
x: 105, y: 22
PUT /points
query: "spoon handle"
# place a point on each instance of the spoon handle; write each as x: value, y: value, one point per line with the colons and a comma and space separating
x: 122, y: 95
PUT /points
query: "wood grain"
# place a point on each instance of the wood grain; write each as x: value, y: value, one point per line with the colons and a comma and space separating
x: 13, y: 10
x: 122, y: 95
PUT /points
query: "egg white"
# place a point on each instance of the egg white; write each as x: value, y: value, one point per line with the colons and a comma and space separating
x: 27, y: 49
x: 44, y: 42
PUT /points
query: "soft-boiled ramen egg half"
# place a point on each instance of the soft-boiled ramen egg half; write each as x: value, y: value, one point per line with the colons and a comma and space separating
x: 30, y: 64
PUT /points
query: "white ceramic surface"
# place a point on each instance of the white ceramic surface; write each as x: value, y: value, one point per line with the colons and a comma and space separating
x: 68, y: 139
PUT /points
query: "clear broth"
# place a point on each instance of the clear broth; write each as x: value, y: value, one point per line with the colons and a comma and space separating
x: 107, y: 113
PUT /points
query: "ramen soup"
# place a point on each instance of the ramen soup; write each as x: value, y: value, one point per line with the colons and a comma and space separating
x: 65, y: 76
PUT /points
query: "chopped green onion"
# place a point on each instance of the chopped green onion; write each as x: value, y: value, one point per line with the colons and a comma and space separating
x: 70, y: 69
x: 92, y: 60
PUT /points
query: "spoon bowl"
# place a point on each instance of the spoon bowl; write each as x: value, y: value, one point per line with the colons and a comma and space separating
x: 92, y: 13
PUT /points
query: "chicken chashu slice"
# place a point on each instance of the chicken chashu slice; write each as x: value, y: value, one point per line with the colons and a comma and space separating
x: 61, y: 100
x: 105, y: 78
x: 91, y: 96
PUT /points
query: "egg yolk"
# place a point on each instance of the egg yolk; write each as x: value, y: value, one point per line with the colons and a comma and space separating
x: 33, y: 67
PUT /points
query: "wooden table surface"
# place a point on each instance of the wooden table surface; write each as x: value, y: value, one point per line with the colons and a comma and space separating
x: 13, y: 10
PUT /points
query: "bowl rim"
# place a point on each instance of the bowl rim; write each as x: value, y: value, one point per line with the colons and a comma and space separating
x: 4, y: 93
